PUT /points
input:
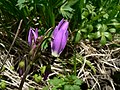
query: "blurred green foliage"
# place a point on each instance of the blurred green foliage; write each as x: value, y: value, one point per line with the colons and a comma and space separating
x: 89, y: 19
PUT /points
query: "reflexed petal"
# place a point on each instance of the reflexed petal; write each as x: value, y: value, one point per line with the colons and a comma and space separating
x: 30, y: 37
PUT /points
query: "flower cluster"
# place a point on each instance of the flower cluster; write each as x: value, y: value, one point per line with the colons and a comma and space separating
x: 59, y: 37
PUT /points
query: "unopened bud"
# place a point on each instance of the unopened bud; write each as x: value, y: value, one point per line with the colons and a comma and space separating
x: 21, y: 64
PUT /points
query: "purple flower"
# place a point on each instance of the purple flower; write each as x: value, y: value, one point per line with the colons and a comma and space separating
x: 60, y: 36
x: 32, y: 36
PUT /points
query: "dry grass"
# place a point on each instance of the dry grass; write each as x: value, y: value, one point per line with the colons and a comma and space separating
x: 105, y: 60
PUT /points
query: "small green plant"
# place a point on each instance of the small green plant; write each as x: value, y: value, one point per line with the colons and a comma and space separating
x: 70, y: 82
x: 2, y: 85
x: 37, y: 78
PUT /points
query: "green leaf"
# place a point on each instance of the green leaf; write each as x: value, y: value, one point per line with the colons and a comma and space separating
x: 44, y: 44
x: 103, y: 40
x: 112, y: 30
x: 99, y: 26
x: 89, y: 28
x: 83, y: 30
x: 56, y: 82
x: 76, y: 87
x: 77, y: 37
x: 2, y: 85
x: 97, y: 35
x: 72, y: 2
x: 71, y: 88
x: 91, y: 36
x: 66, y: 11
x: 54, y: 88
x: 108, y: 35
x: 67, y: 87
x: 78, y: 82
x: 37, y: 78
x: 104, y: 27
x: 42, y: 69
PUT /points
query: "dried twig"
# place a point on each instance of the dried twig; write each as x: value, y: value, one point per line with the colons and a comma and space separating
x: 11, y: 45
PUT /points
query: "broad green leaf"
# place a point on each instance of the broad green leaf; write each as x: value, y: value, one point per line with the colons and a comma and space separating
x: 99, y: 26
x: 54, y: 88
x: 55, y: 81
x: 71, y: 87
x: 104, y: 27
x: 83, y: 30
x: 78, y: 82
x: 91, y: 36
x: 108, y: 35
x: 97, y: 35
x: 89, y: 28
x: 67, y: 87
x: 76, y: 87
x: 112, y: 30
x: 103, y: 40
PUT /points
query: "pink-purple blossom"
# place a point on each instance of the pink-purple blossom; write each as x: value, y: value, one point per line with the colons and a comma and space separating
x: 32, y: 36
x: 60, y: 36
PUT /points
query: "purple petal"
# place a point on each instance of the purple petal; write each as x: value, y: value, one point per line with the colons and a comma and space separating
x: 59, y: 42
x: 35, y: 36
x: 57, y: 28
x: 64, y: 25
x: 63, y: 42
x: 55, y: 32
x: 60, y: 35
x: 30, y: 37
x: 61, y: 23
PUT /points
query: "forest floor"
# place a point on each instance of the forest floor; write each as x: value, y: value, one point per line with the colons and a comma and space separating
x: 98, y: 66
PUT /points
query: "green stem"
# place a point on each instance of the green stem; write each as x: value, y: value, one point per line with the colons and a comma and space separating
x: 24, y: 77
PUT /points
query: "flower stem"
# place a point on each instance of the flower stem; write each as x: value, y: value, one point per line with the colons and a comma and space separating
x: 24, y: 76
